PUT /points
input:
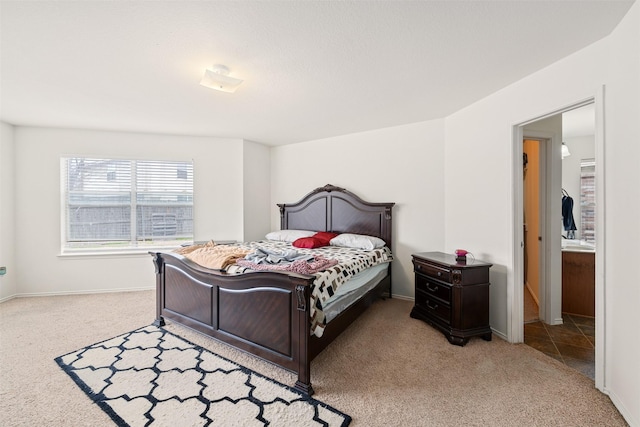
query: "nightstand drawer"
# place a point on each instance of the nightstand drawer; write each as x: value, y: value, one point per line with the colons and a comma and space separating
x: 432, y: 270
x: 433, y: 307
x: 439, y: 290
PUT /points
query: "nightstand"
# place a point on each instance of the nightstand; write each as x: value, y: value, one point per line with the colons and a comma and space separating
x: 452, y: 296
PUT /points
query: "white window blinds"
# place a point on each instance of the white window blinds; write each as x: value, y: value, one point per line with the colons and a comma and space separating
x: 588, y: 200
x: 115, y: 203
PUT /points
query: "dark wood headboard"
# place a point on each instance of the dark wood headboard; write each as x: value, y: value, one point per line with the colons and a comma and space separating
x: 335, y: 209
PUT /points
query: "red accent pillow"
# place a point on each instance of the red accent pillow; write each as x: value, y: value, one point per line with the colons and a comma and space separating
x: 309, y: 243
x: 318, y: 240
x: 325, y: 236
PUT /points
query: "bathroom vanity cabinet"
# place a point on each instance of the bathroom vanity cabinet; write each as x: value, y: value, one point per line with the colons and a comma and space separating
x: 579, y: 283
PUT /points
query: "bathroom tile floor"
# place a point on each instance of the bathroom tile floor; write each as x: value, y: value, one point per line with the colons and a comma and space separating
x: 572, y: 343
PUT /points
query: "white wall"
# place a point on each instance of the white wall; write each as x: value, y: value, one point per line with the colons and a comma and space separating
x: 7, y: 214
x: 402, y: 164
x: 218, y: 214
x: 480, y: 148
x: 479, y: 145
x: 622, y: 178
x: 256, y: 185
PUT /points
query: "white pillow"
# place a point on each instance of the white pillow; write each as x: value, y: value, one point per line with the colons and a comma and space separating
x: 289, y: 235
x: 357, y: 241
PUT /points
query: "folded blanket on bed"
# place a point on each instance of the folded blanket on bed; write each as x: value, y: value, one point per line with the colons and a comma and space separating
x: 271, y: 257
x: 210, y: 255
x: 306, y: 265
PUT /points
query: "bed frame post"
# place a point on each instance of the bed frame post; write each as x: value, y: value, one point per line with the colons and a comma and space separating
x: 158, y: 262
x: 281, y: 206
x: 304, y: 330
x: 387, y: 226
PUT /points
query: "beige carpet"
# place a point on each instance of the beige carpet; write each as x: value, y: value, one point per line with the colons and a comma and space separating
x: 386, y: 370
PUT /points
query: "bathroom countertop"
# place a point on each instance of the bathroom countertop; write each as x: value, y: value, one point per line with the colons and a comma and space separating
x: 577, y: 246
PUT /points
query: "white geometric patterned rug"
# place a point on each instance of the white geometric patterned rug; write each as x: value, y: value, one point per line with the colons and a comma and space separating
x: 152, y: 377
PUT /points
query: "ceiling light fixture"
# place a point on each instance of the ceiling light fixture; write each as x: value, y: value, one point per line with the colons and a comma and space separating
x: 217, y: 78
x: 565, y: 151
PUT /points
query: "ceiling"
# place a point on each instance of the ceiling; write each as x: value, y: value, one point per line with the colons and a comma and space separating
x: 311, y: 69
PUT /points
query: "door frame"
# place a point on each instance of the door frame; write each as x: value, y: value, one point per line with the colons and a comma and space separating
x: 515, y: 296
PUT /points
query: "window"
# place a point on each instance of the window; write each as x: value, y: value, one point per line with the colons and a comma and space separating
x: 588, y: 199
x: 111, y: 204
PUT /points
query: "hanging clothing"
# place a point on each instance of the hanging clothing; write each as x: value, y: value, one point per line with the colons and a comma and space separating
x: 567, y: 214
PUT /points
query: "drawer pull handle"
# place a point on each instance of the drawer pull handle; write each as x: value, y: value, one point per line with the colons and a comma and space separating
x: 439, y: 273
x: 429, y: 288
x: 432, y: 307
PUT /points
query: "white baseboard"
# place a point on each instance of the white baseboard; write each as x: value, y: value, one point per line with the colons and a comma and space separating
x: 80, y: 292
x: 402, y: 297
x: 10, y: 297
x: 533, y: 295
x: 499, y: 334
x: 624, y: 411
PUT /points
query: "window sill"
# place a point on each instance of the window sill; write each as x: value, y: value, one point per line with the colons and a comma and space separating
x: 114, y: 254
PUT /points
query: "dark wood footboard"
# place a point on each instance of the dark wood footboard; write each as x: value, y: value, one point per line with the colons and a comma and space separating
x: 263, y: 313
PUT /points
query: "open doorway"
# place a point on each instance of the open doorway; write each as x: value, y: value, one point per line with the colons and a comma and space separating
x: 533, y: 225
x: 558, y: 317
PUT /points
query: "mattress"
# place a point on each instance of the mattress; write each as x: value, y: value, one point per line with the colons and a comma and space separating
x: 353, y: 290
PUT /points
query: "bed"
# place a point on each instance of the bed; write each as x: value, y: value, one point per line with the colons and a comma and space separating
x: 267, y: 313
